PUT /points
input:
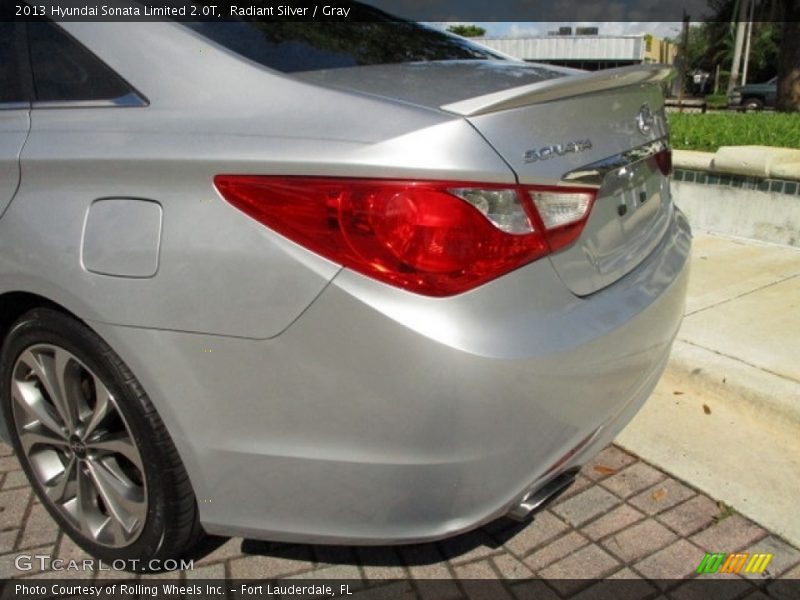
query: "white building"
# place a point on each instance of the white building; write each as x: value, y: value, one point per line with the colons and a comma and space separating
x: 590, y: 52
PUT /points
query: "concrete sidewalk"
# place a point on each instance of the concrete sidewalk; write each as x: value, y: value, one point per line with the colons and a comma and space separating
x: 726, y: 415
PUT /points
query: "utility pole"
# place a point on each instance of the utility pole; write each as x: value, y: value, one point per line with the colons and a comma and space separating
x: 737, y: 46
x: 747, y: 43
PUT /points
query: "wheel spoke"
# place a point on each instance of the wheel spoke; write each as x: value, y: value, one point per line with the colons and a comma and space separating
x: 118, y: 443
x: 115, y: 529
x: 43, y: 437
x: 122, y: 500
x: 61, y: 360
x: 84, y: 509
x: 28, y: 398
x: 57, y: 491
x: 113, y: 467
x: 102, y: 408
x: 50, y: 371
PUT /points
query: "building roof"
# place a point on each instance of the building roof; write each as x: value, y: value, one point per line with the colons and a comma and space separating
x: 571, y: 47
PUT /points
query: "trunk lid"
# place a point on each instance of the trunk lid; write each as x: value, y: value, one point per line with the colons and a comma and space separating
x: 556, y: 127
x: 600, y: 129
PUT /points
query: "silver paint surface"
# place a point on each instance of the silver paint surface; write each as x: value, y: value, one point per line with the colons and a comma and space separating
x: 285, y: 379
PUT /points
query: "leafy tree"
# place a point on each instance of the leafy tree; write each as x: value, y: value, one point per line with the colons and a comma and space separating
x: 711, y: 41
x: 467, y: 30
x: 764, y: 49
x: 698, y: 48
x: 775, y: 44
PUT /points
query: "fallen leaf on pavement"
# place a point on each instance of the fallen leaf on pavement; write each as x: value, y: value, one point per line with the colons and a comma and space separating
x: 659, y: 494
x: 706, y: 409
x: 604, y: 470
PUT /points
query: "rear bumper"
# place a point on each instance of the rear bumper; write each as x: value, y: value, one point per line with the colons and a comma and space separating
x: 380, y: 416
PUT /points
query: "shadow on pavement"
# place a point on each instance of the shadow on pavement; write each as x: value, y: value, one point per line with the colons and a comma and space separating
x: 493, y: 535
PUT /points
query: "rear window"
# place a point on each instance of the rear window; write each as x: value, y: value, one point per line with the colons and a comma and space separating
x: 63, y: 70
x: 11, y: 89
x: 374, y: 38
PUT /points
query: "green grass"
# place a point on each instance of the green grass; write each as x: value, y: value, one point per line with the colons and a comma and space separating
x: 717, y: 101
x: 725, y: 511
x: 694, y: 131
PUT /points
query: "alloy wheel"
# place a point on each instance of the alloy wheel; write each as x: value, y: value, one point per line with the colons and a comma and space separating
x: 78, y: 445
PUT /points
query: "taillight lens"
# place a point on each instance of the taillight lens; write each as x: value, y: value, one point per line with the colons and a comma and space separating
x: 429, y: 237
x: 563, y: 213
x: 502, y: 207
x: 664, y: 162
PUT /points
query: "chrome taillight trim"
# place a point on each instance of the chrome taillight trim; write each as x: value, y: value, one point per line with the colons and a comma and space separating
x: 594, y: 173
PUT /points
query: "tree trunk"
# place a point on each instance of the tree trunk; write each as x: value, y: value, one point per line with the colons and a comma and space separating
x: 788, y: 99
x: 737, y: 46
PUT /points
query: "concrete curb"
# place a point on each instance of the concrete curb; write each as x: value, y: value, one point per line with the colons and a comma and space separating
x: 745, y: 191
x: 692, y: 159
x: 753, y: 161
x: 747, y: 459
x: 728, y: 428
x: 765, y: 216
x: 734, y: 382
x: 726, y: 414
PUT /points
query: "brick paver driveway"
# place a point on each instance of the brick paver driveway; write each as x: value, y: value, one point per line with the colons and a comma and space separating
x: 622, y: 519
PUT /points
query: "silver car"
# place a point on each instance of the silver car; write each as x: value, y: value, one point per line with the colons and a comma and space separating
x: 348, y: 282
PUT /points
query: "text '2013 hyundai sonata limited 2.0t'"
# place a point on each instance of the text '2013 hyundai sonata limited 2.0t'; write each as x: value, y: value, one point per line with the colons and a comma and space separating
x: 346, y: 282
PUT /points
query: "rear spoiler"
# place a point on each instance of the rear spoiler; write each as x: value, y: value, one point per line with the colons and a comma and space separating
x: 562, y: 87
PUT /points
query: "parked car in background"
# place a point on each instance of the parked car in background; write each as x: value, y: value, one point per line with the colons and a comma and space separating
x: 339, y: 282
x: 754, y: 96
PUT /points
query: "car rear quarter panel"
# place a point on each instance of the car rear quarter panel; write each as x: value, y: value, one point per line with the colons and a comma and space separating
x: 209, y: 112
x: 449, y: 408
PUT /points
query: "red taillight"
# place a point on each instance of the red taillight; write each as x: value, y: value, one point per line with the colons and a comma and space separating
x: 429, y: 237
x: 664, y: 162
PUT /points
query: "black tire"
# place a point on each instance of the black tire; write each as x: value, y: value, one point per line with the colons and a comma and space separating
x: 752, y: 105
x: 171, y: 525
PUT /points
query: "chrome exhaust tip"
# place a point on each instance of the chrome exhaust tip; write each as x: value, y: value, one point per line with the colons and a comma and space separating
x: 538, y: 499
